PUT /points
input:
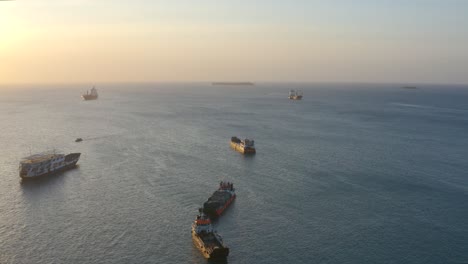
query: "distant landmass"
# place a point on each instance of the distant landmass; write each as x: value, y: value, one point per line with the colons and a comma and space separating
x: 410, y: 87
x: 232, y: 83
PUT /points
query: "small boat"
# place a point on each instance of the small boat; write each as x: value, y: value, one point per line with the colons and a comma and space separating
x: 90, y: 95
x: 208, y: 241
x: 78, y: 140
x: 295, y: 95
x: 246, y: 146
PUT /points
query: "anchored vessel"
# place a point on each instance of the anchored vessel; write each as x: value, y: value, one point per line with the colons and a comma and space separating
x: 90, y: 95
x: 220, y: 200
x: 246, y: 146
x: 295, y: 95
x: 44, y: 164
x: 208, y: 241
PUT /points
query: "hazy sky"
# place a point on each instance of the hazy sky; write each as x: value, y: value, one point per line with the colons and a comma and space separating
x: 242, y: 40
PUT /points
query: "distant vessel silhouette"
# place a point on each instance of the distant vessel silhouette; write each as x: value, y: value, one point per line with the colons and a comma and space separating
x: 295, y: 95
x: 90, y: 95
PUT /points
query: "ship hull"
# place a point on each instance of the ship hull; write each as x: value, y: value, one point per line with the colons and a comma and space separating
x: 299, y: 97
x: 69, y: 164
x: 89, y: 97
x: 239, y: 148
x: 218, y: 211
x: 218, y: 252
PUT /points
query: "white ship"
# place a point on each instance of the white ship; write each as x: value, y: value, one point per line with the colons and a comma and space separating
x: 295, y: 95
x: 46, y: 163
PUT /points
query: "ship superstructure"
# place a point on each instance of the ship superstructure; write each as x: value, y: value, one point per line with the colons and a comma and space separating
x: 246, y: 146
x: 208, y: 241
x: 220, y: 200
x: 90, y: 95
x: 295, y: 94
x: 46, y: 163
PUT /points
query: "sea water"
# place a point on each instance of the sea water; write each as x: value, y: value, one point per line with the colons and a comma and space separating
x: 353, y: 173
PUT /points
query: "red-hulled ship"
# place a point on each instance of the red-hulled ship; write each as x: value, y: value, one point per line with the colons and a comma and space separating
x: 220, y: 200
x: 208, y: 241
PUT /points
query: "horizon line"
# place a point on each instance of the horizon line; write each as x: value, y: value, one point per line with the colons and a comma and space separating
x: 211, y: 82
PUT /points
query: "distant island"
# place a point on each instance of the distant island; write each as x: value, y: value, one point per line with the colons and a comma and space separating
x: 232, y: 83
x: 410, y: 87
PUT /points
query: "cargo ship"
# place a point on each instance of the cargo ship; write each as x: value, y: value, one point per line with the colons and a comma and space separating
x: 208, y: 241
x: 295, y: 95
x: 246, y: 146
x: 90, y: 95
x: 44, y: 164
x: 220, y: 200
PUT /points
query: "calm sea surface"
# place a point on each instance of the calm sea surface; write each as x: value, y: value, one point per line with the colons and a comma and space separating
x: 351, y: 174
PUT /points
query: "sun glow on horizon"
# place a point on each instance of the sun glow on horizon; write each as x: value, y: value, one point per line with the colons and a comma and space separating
x: 117, y: 41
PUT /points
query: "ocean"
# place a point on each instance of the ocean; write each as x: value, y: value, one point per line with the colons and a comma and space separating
x: 353, y: 173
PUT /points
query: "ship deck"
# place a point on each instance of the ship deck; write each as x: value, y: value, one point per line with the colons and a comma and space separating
x: 39, y: 158
x: 210, y: 241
